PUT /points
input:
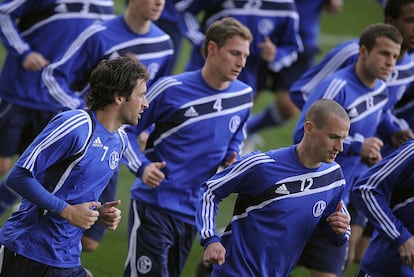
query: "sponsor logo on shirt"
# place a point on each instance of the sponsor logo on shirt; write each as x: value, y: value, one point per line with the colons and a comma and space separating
x: 191, y: 112
x: 97, y: 142
x: 282, y: 189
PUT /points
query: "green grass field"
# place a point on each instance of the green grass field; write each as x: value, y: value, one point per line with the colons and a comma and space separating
x: 108, y: 260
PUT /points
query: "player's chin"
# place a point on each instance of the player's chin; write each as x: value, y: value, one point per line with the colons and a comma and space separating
x: 133, y: 121
x: 384, y: 76
x: 233, y: 76
x: 330, y: 159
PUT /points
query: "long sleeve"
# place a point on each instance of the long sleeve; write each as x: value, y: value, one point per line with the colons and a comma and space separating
x: 10, y: 12
x: 22, y: 181
x: 237, y: 178
x: 76, y: 63
x: 376, y: 192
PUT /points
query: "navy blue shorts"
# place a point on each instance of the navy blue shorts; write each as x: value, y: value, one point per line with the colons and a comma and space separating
x: 97, y: 230
x: 19, y: 127
x: 159, y: 244
x: 321, y: 255
x: 284, y: 79
x: 14, y: 265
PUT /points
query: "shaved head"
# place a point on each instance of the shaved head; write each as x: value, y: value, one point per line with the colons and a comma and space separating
x: 320, y: 111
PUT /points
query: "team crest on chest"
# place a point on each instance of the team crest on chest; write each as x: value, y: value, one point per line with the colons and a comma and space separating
x: 265, y: 27
x: 113, y: 160
x: 153, y: 69
x: 318, y: 208
x: 234, y: 123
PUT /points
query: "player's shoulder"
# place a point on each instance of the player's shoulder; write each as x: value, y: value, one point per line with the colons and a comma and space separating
x: 346, y: 74
x: 124, y: 137
x: 72, y: 126
x: 163, y: 84
x: 344, y: 53
x: 157, y: 31
x: 282, y: 154
x: 350, y: 43
x: 74, y: 119
x: 73, y: 113
x: 238, y: 85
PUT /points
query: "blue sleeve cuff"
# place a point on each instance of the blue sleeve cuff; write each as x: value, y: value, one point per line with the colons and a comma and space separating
x: 205, y: 242
x: 141, y: 169
x: 405, y: 235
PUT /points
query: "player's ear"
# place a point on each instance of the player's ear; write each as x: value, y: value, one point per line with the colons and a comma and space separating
x: 363, y: 51
x: 307, y: 127
x: 118, y: 99
x: 211, y: 47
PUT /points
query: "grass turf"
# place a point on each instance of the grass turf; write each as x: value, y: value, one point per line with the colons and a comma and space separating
x: 108, y: 260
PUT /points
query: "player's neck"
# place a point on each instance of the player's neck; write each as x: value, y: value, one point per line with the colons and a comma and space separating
x: 367, y: 79
x: 108, y: 119
x: 305, y: 157
x: 137, y: 24
x: 214, y: 79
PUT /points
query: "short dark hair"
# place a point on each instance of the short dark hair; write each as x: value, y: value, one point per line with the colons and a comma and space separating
x: 393, y: 8
x: 321, y: 109
x: 221, y: 30
x: 372, y: 32
x: 115, y: 77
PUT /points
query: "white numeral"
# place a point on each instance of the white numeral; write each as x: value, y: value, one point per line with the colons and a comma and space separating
x: 217, y: 105
x: 104, y: 154
x: 303, y: 185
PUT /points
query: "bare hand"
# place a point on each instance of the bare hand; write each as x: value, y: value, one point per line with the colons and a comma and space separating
x: 35, y: 62
x: 110, y: 215
x: 334, y: 6
x: 142, y: 139
x: 268, y: 49
x: 338, y: 221
x: 81, y: 215
x: 400, y: 137
x: 406, y: 251
x: 153, y: 175
x: 214, y: 253
x: 230, y: 160
x: 371, y: 151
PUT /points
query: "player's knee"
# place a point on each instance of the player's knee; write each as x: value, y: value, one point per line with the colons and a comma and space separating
x: 287, y: 109
x: 89, y: 244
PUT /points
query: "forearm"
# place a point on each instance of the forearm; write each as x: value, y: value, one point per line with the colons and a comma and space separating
x: 21, y: 181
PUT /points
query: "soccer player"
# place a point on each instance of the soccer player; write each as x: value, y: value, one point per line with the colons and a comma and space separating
x: 397, y: 13
x: 385, y: 193
x: 276, y: 41
x: 34, y: 33
x: 132, y: 32
x: 404, y: 108
x: 360, y: 89
x: 199, y: 119
x: 179, y: 22
x: 64, y: 171
x: 283, y: 195
x: 283, y: 109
